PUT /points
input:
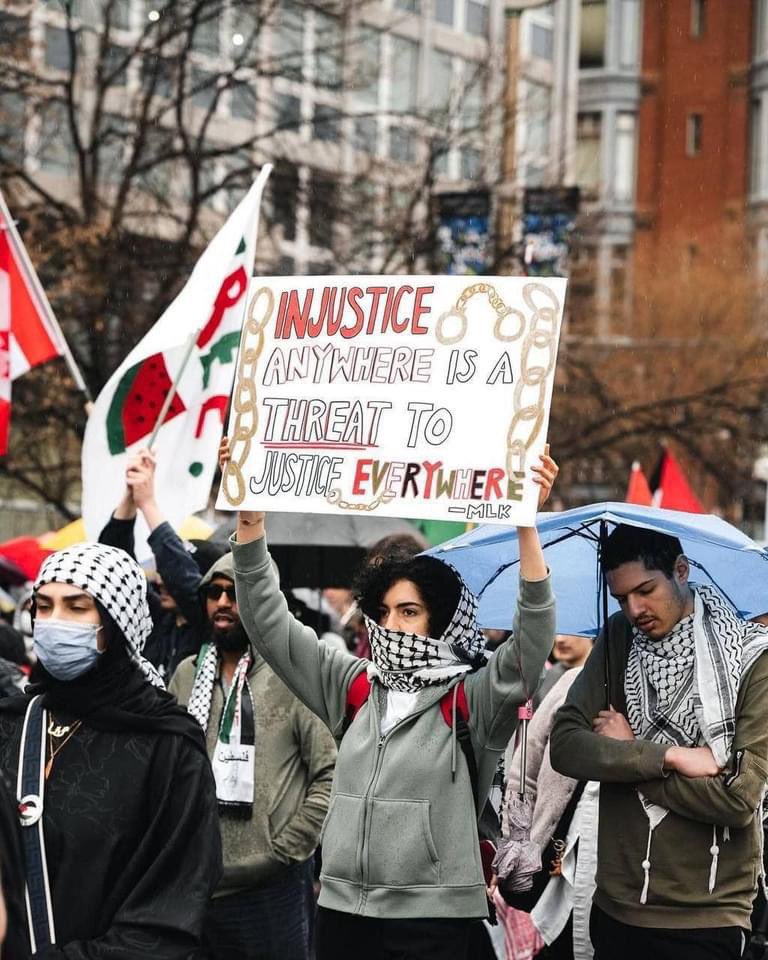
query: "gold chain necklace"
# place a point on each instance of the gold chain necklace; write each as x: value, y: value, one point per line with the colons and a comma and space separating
x: 58, y: 731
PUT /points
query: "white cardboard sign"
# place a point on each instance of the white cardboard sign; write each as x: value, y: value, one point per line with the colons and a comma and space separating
x: 420, y: 397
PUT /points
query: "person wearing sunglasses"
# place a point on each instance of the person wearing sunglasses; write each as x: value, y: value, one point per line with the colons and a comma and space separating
x: 273, y: 762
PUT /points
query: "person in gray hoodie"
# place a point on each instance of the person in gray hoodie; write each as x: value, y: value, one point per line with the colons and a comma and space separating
x: 402, y: 874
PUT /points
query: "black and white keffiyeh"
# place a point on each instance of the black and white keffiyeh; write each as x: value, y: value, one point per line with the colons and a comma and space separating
x: 112, y: 577
x: 682, y: 690
x: 409, y: 662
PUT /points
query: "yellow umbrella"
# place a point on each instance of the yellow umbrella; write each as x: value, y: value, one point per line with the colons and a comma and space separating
x: 193, y: 528
x: 74, y: 532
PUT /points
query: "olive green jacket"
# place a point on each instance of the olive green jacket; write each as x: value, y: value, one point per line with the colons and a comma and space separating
x: 703, y: 812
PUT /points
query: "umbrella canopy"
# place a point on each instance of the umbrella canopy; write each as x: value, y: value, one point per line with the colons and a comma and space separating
x: 488, y: 559
x: 322, y: 550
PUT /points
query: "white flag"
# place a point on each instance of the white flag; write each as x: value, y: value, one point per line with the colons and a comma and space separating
x: 209, y: 309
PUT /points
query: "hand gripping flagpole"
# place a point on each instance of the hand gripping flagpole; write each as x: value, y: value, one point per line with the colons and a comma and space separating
x: 49, y: 316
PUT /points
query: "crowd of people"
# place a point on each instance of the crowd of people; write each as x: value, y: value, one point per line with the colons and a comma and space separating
x: 201, y: 762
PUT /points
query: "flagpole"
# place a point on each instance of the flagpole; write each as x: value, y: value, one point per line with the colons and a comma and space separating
x: 174, y: 386
x: 21, y: 250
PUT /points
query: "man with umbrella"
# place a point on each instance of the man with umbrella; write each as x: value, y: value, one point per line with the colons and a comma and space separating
x: 674, y: 728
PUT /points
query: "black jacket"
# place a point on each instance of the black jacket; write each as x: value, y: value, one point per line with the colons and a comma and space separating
x: 132, y: 842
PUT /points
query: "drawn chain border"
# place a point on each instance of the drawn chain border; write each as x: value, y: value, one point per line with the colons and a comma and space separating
x: 541, y: 338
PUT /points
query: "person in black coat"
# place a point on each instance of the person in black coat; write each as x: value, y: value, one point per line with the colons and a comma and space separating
x: 126, y: 798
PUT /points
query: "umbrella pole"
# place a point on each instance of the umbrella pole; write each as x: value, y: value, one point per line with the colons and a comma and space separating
x: 524, y: 714
x: 604, y: 612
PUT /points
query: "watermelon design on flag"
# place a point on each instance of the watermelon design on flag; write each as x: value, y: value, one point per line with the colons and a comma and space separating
x: 137, y: 401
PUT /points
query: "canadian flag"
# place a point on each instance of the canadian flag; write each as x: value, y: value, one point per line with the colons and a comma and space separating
x: 29, y: 333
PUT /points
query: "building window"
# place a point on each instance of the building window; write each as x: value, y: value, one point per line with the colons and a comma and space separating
x: 402, y: 145
x: 367, y: 52
x: 57, y: 48
x: 365, y: 134
x: 471, y: 161
x: 326, y: 123
x: 55, y: 152
x: 284, y: 191
x: 287, y: 112
x: 629, y: 36
x: 203, y: 89
x: 592, y: 36
x: 693, y: 134
x: 537, y: 114
x: 329, y: 50
x: 624, y: 155
x: 440, y: 80
x: 322, y: 204
x: 476, y: 18
x: 12, y: 124
x: 761, y: 21
x: 242, y: 102
x: 405, y: 74
x: 158, y: 72
x: 588, y: 140
x: 205, y: 38
x: 471, y: 104
x: 410, y: 6
x: 444, y: 12
x: 698, y: 17
x: 116, y: 65
x: 288, y: 41
x: 541, y: 42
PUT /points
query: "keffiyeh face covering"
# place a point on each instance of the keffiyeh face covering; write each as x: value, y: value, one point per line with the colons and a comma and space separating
x: 409, y: 662
x: 113, y: 578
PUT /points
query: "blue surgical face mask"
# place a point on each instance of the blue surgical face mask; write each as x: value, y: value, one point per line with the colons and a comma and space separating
x: 66, y: 649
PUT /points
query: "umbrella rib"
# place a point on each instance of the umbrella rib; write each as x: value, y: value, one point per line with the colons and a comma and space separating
x: 572, y: 532
x: 700, y: 566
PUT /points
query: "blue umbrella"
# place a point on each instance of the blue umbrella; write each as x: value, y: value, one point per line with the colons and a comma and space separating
x: 488, y: 559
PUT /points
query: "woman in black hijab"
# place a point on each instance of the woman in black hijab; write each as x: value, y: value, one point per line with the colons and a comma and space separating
x: 116, y: 800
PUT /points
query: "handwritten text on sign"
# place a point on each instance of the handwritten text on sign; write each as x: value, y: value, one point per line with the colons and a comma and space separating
x: 408, y: 396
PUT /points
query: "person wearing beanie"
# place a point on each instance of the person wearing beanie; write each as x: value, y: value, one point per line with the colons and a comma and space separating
x: 116, y: 801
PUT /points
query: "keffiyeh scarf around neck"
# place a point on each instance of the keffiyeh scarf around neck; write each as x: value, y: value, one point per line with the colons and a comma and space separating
x: 409, y: 662
x: 112, y: 577
x: 233, y: 757
x: 682, y: 690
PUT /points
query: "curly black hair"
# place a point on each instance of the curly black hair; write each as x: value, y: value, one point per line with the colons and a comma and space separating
x: 626, y: 544
x: 438, y: 585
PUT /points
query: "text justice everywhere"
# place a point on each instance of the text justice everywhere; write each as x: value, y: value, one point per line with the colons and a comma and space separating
x: 352, y: 311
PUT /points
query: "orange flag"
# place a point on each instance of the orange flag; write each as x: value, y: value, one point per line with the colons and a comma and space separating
x: 638, y: 490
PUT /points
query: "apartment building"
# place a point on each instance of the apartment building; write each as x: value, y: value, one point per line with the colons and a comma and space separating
x: 656, y: 110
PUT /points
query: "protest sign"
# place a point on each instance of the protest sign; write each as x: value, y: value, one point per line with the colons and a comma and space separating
x: 423, y: 397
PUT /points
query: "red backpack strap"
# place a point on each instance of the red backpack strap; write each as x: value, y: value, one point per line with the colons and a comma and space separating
x: 357, y: 693
x: 462, y: 707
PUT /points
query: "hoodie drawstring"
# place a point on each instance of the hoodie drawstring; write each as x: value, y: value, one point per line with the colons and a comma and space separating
x: 453, y: 731
x: 715, y: 851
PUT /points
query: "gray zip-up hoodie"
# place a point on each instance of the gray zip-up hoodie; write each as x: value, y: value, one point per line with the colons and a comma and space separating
x: 400, y: 838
